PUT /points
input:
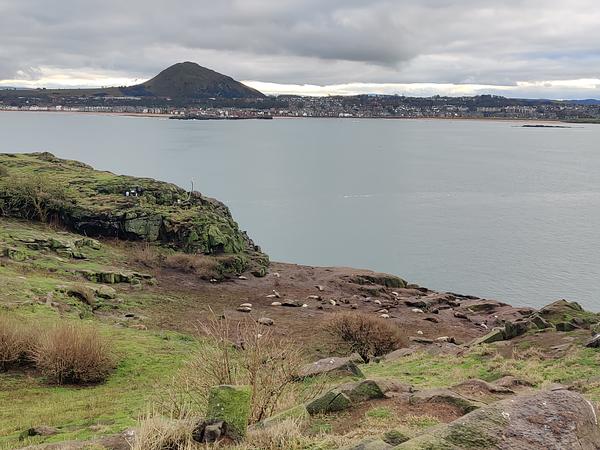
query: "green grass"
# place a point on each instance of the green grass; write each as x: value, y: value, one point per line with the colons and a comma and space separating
x: 146, y: 361
x: 379, y: 413
x: 423, y: 370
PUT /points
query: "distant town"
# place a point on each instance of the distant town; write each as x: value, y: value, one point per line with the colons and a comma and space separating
x: 361, y: 106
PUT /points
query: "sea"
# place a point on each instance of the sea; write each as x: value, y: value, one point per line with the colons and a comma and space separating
x: 487, y: 208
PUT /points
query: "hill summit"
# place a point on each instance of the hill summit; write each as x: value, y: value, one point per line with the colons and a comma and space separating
x: 190, y: 80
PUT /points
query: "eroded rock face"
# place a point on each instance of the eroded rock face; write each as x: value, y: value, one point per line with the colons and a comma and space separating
x: 555, y: 419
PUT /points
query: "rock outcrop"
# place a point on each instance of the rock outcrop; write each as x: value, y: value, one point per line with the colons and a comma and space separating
x: 101, y: 204
x: 554, y: 419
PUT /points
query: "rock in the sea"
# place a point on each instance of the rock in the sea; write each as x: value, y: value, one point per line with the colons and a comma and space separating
x: 334, y: 365
x: 231, y: 405
x: 555, y: 419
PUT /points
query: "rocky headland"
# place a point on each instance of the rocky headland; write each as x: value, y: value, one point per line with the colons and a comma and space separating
x: 147, y: 262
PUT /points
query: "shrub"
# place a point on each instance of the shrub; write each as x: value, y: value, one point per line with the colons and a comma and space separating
x: 267, y: 363
x: 69, y: 353
x: 32, y: 196
x: 3, y: 171
x: 15, y: 342
x: 367, y: 336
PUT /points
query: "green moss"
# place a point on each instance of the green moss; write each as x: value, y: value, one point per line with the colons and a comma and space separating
x: 379, y: 413
x: 232, y: 405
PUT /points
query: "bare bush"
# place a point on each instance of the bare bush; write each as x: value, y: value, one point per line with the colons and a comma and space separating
x: 365, y: 335
x: 15, y: 342
x: 267, y: 363
x: 69, y: 353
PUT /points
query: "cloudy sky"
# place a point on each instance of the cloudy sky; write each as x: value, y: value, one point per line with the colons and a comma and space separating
x: 525, y: 48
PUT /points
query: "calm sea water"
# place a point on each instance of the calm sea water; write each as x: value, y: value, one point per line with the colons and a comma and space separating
x: 485, y: 208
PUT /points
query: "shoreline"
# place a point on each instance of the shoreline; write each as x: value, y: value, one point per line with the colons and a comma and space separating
x: 275, y: 117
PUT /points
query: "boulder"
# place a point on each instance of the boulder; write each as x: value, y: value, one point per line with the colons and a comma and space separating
x: 105, y: 292
x: 495, y: 335
x: 394, y: 437
x: 39, y: 431
x: 556, y: 419
x: 266, y: 321
x: 381, y: 279
x: 564, y: 311
x: 464, y: 404
x: 291, y: 303
x: 513, y: 329
x: 594, y: 342
x: 331, y: 401
x: 539, y: 322
x: 363, y: 390
x: 565, y: 326
x: 230, y: 404
x: 331, y: 366
x: 209, y: 431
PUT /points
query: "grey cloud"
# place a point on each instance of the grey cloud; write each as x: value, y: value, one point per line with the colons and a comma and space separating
x: 310, y: 41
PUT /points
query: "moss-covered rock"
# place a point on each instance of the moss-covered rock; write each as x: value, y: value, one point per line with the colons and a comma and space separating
x: 563, y: 311
x: 95, y: 203
x: 382, y: 279
x: 332, y: 401
x: 231, y: 404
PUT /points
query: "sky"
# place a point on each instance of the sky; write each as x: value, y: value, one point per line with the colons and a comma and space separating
x: 515, y: 48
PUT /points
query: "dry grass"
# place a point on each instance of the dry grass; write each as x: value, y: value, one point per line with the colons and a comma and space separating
x: 15, y: 342
x: 365, y: 335
x: 69, y: 353
x: 159, y: 433
x: 287, y: 435
x: 239, y: 353
x: 149, y: 256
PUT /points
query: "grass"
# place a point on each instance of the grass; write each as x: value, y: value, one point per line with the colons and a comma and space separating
x: 379, y: 413
x: 146, y: 361
x: 423, y: 370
